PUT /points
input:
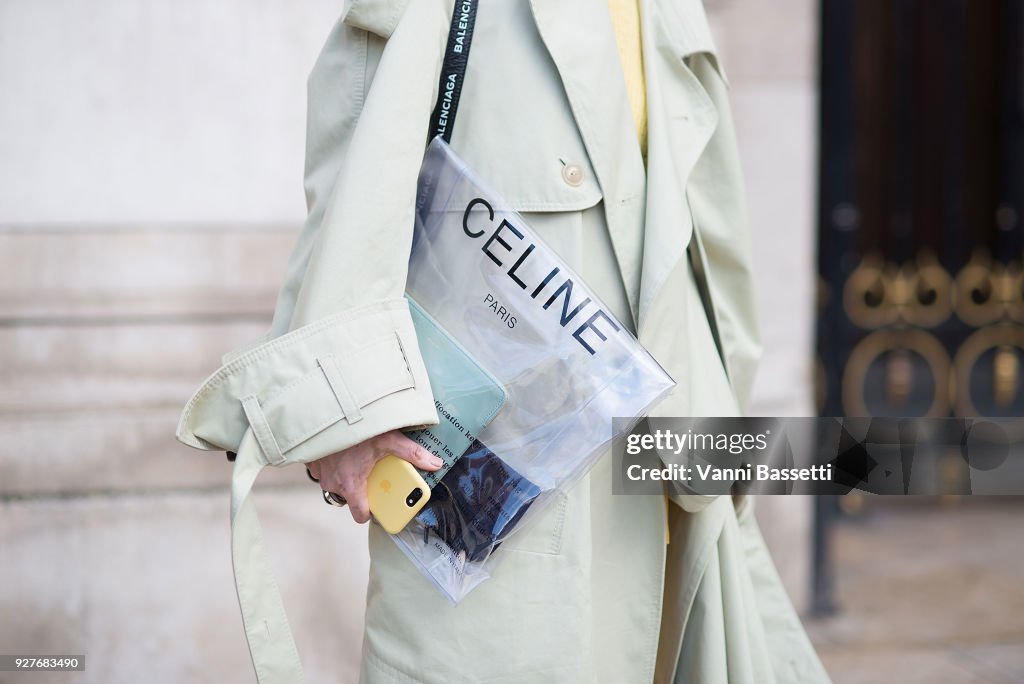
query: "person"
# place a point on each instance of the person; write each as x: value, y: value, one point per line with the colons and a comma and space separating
x: 607, y: 126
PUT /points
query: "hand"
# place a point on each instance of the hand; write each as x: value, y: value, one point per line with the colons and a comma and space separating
x: 345, y: 472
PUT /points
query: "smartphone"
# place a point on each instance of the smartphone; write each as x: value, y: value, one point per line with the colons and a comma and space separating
x: 396, y: 492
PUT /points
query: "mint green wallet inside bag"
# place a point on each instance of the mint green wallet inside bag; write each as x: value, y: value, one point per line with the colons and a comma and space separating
x: 466, y: 396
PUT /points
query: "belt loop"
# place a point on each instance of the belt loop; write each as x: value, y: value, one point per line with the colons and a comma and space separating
x: 348, y: 403
x: 261, y: 430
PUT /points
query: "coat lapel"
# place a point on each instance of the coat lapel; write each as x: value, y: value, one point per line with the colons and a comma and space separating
x: 580, y: 39
x: 681, y: 120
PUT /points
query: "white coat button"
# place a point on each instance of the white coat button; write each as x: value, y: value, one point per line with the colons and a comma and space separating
x: 572, y: 174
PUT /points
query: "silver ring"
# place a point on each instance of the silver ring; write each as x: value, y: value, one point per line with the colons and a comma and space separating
x: 332, y: 499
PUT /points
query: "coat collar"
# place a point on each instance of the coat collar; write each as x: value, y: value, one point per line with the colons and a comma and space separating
x: 686, y: 20
x: 376, y: 16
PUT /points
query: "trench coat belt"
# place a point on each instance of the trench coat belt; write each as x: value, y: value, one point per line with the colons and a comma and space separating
x: 271, y: 644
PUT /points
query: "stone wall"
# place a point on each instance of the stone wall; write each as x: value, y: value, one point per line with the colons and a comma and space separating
x: 150, y: 189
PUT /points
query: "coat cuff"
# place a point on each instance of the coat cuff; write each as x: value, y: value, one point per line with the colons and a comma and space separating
x: 318, y: 389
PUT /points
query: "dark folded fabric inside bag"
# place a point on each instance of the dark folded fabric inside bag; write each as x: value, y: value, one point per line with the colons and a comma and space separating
x: 477, y: 504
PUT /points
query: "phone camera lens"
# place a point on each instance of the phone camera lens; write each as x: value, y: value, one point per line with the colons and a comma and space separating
x: 414, y: 496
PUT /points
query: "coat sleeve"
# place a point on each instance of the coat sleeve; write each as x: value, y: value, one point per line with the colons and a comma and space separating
x: 341, y: 362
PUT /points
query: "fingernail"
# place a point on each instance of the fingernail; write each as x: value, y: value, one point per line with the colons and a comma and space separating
x: 436, y: 462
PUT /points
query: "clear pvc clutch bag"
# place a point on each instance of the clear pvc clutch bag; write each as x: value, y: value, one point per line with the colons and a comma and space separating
x: 567, y: 365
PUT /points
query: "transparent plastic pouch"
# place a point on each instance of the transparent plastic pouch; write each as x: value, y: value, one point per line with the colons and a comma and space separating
x: 568, y: 367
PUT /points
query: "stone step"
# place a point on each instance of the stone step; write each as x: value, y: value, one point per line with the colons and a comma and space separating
x: 67, y: 367
x: 106, y: 450
x: 124, y: 273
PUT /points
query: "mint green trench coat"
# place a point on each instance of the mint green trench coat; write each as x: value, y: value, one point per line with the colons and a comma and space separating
x: 590, y: 593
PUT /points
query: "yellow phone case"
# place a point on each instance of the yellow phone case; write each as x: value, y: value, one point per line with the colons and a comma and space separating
x: 396, y: 493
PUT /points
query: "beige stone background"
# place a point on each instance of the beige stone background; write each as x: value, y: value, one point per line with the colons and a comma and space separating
x: 150, y: 189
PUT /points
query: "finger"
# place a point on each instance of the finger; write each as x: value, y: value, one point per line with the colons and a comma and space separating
x: 329, y: 481
x: 314, y: 469
x: 410, y: 451
x: 359, y: 507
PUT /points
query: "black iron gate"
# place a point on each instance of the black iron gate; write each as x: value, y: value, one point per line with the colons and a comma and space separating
x: 921, y: 215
